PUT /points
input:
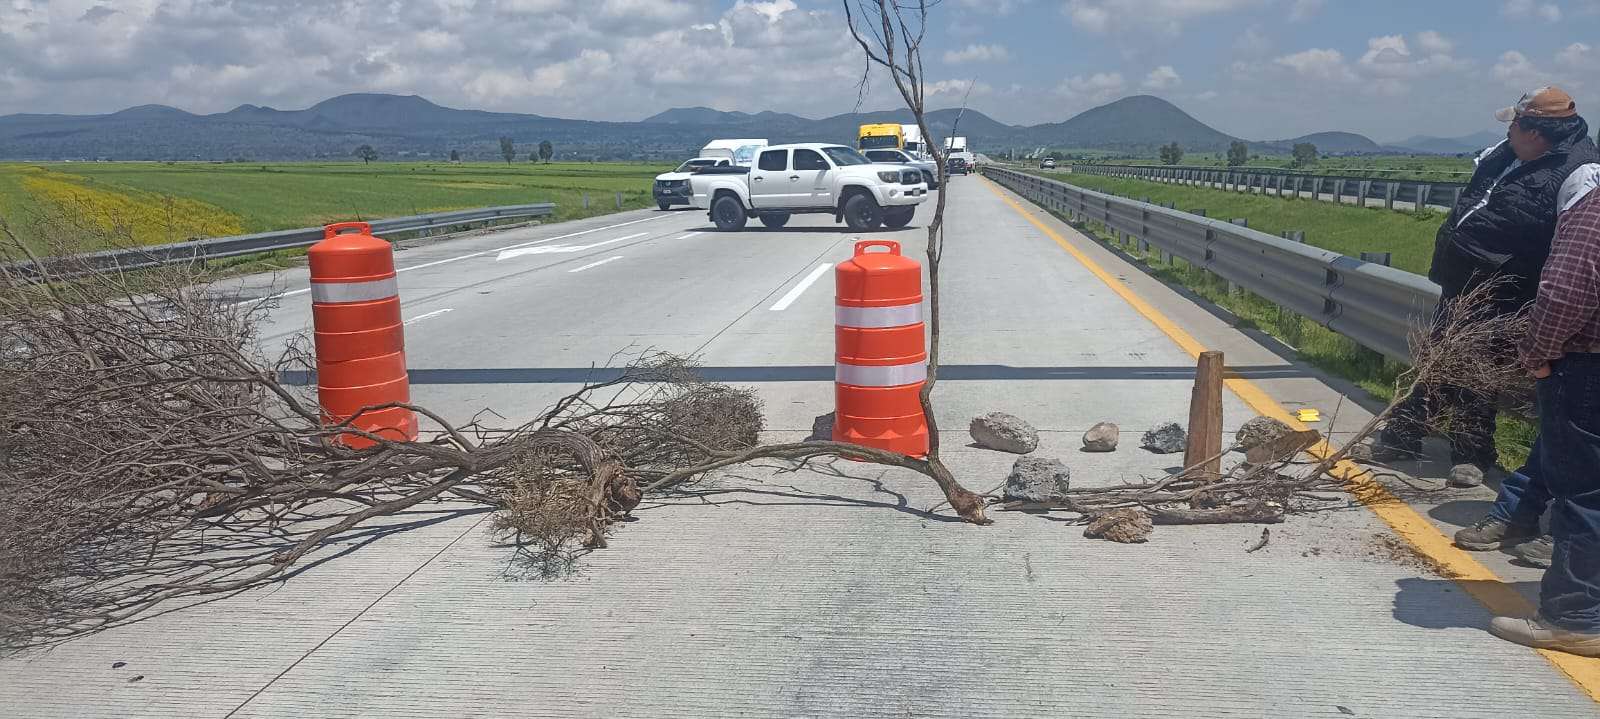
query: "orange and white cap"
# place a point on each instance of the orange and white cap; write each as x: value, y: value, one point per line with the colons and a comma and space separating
x: 1547, y: 101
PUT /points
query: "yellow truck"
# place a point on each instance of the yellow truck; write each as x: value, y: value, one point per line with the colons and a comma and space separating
x: 881, y: 136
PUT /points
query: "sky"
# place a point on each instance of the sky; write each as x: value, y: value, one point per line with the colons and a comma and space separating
x: 1260, y: 69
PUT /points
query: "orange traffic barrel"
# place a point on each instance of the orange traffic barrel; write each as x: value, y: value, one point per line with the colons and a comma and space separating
x: 360, y: 342
x: 881, y: 357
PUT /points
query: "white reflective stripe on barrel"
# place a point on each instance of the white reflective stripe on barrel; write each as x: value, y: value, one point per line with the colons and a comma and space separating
x: 890, y: 376
x: 339, y: 292
x: 897, y: 316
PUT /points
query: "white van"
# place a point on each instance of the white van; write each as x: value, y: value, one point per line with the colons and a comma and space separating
x: 741, y: 152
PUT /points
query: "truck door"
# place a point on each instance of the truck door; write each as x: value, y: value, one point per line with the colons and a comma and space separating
x: 770, y: 185
x: 811, y: 179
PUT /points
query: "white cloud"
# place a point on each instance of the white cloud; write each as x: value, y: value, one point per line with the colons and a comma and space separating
x: 1318, y: 64
x: 1527, y: 9
x: 997, y: 7
x: 1093, y: 89
x: 955, y: 90
x: 1578, y: 56
x: 1165, y: 16
x: 1432, y: 42
x: 977, y: 53
x: 1162, y: 78
x: 1389, y: 57
x: 1516, y: 71
x: 1303, y: 10
x: 1253, y: 41
x: 1206, y: 96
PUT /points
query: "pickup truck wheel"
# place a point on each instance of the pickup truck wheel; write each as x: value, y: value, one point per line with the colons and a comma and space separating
x: 728, y: 214
x: 775, y: 220
x: 899, y: 217
x: 664, y: 206
x: 861, y: 213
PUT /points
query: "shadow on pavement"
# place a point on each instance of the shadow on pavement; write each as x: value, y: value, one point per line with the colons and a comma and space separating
x: 1436, y: 603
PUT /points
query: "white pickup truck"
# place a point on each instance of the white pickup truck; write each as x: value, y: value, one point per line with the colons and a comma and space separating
x: 810, y: 178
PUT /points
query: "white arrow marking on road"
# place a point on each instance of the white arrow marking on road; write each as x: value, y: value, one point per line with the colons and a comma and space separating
x: 595, y: 264
x: 800, y: 289
x: 426, y: 315
x: 560, y: 249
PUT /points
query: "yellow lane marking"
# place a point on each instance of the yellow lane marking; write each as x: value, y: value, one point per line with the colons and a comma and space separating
x: 1473, y: 578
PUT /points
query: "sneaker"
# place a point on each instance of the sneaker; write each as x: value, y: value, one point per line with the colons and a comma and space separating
x: 1539, y: 552
x: 1490, y: 533
x: 1465, y: 475
x: 1535, y: 632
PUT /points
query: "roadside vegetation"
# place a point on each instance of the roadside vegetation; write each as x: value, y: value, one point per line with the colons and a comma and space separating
x: 1344, y: 229
x: 161, y: 202
x: 1437, y: 168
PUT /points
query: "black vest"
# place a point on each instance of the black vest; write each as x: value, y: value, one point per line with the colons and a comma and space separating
x: 1511, y: 234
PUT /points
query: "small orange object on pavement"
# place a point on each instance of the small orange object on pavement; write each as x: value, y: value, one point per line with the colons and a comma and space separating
x: 881, y: 357
x: 360, y: 340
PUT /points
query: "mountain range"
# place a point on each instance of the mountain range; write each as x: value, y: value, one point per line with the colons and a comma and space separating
x: 411, y: 126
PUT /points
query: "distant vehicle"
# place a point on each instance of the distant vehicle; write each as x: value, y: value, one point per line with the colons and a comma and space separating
x: 956, y: 166
x: 914, y: 145
x: 672, y: 188
x: 740, y: 152
x: 809, y: 178
x: 1048, y: 163
x: 955, y: 144
x: 881, y: 136
x: 903, y: 157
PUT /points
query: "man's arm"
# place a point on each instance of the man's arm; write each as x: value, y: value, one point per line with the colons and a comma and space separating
x: 1569, y: 288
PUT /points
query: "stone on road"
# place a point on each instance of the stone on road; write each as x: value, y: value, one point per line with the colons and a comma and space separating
x: 1168, y: 438
x: 1102, y: 437
x: 1005, y: 433
x: 1038, y: 479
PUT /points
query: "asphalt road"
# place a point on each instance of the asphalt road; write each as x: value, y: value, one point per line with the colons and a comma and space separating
x: 824, y: 593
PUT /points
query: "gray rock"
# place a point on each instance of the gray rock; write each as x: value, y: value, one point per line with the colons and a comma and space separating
x: 1101, y: 438
x: 1168, y: 438
x: 1259, y: 431
x: 1003, y: 432
x: 822, y: 428
x: 1036, y: 479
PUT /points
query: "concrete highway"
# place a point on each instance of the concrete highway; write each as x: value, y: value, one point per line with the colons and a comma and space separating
x: 760, y: 594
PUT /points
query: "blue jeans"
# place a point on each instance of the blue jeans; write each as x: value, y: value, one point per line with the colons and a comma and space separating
x: 1523, y: 496
x: 1569, y: 463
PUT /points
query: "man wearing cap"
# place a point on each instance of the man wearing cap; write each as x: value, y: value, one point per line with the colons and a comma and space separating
x: 1562, y: 351
x: 1501, y: 227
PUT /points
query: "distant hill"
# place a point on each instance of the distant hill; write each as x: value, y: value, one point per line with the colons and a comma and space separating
x: 408, y: 126
x: 1452, y: 145
x: 1330, y: 142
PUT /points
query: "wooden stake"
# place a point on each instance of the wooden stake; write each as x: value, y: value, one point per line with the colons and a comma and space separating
x: 1205, y: 417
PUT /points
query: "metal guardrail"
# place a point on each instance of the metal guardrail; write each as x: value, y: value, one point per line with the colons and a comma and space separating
x: 1374, y: 305
x: 134, y: 258
x: 1354, y: 190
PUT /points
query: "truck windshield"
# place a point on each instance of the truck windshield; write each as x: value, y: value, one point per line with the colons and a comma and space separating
x: 843, y: 156
x: 873, y: 142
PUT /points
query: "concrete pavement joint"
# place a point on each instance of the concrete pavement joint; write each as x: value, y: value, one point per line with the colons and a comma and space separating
x: 1473, y: 578
x: 353, y: 619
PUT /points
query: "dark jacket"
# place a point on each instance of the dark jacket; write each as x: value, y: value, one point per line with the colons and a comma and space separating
x: 1511, y: 234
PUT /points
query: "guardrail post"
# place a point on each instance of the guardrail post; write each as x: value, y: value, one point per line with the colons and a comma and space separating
x: 1201, y: 211
x: 1422, y: 197
x: 1316, y: 188
x: 1388, y: 195
x: 1363, y: 189
x: 1240, y: 221
x: 1455, y: 197
x: 619, y: 200
x: 585, y: 200
x: 1295, y: 236
x: 1338, y: 192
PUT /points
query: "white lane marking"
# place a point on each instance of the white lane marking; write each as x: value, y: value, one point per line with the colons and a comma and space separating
x: 426, y: 315
x: 688, y: 235
x: 468, y: 256
x: 800, y: 289
x: 595, y: 264
x: 561, y: 249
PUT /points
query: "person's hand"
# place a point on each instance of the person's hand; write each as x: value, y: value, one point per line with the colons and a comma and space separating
x: 1542, y: 371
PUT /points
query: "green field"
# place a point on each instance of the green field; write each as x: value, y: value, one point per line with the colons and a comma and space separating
x: 1437, y: 168
x: 162, y: 202
x: 1345, y: 229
